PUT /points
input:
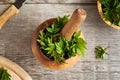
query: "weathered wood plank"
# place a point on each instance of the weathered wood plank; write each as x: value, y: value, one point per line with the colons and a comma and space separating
x: 7, y: 1
x: 61, y: 1
x: 2, y: 48
x: 102, y: 76
x: 52, y: 1
x: 115, y: 76
x: 3, y: 8
x: 15, y: 43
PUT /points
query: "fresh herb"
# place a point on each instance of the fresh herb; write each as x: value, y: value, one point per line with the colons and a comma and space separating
x: 111, y: 10
x: 57, y: 47
x: 100, y: 52
x: 4, y: 75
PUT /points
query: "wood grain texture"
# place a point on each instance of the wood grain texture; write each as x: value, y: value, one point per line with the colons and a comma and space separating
x: 61, y: 1
x: 51, y: 1
x: 7, y: 1
x: 15, y: 43
x: 77, y: 18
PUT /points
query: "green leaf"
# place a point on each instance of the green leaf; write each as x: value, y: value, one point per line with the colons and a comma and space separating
x: 4, y: 75
x: 42, y: 35
x: 59, y: 47
x: 49, y: 40
x: 118, y: 6
x: 77, y: 34
x: 119, y: 23
x: 58, y: 19
x: 49, y: 29
x: 73, y: 50
x: 41, y: 42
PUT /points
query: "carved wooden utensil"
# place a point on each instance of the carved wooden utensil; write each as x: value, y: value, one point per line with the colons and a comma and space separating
x: 10, y: 12
x: 79, y: 15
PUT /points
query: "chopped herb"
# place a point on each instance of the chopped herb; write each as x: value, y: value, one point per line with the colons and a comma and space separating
x: 100, y: 52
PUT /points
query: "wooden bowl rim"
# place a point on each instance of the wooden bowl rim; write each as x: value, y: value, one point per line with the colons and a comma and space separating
x: 14, y: 69
x: 99, y: 6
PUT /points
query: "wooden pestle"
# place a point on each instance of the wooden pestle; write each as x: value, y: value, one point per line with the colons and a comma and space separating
x: 72, y: 25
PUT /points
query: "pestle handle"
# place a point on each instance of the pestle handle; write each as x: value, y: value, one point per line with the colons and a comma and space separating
x: 78, y: 16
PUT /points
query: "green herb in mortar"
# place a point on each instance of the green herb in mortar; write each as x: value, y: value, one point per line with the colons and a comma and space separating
x: 55, y: 46
x: 4, y: 75
x: 111, y: 10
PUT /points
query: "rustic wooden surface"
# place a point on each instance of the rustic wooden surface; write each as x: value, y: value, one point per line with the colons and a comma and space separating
x: 51, y: 1
x: 15, y: 41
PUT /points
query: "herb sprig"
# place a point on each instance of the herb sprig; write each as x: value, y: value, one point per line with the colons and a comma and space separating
x: 4, y: 75
x: 100, y: 52
x: 111, y: 10
x: 57, y: 47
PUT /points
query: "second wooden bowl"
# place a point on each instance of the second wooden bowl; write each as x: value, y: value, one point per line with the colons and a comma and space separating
x: 99, y: 6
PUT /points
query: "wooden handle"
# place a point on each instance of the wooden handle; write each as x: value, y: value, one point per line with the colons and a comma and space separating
x: 72, y: 25
x: 11, y: 11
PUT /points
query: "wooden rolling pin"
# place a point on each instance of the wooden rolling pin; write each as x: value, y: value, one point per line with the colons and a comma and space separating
x: 78, y: 16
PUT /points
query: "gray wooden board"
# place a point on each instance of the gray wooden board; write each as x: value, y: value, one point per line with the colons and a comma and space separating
x: 15, y: 43
x: 52, y: 1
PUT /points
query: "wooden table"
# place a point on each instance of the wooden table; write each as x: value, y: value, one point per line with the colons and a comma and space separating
x: 15, y: 40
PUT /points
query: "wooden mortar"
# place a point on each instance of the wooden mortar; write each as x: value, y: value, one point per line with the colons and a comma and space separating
x: 77, y: 18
